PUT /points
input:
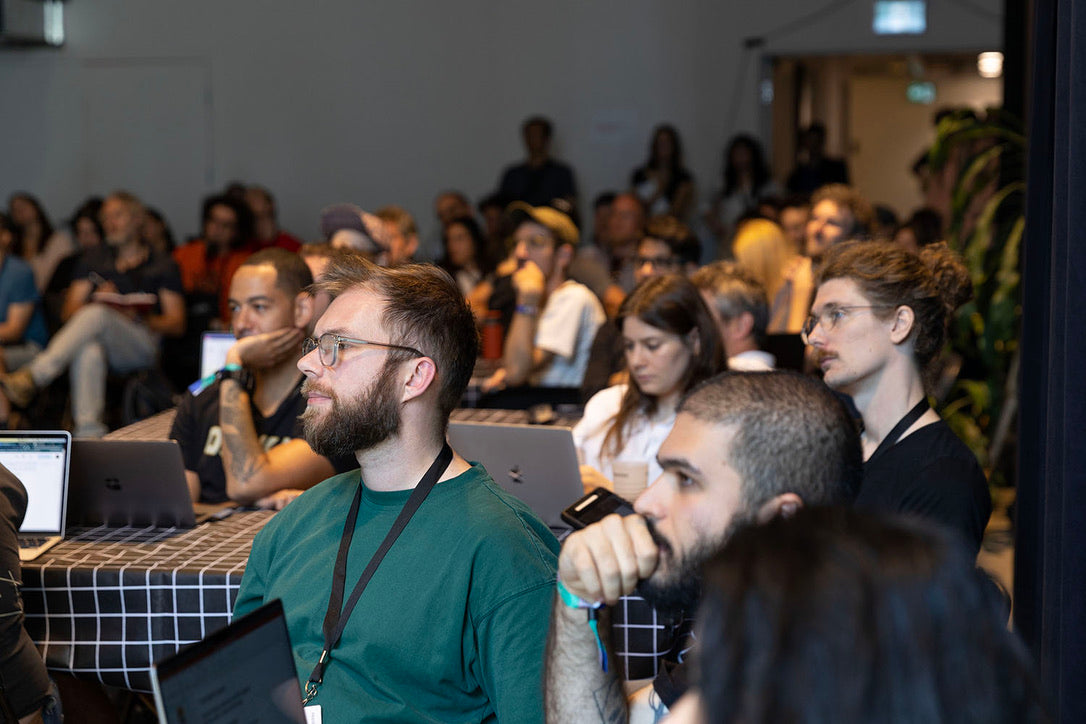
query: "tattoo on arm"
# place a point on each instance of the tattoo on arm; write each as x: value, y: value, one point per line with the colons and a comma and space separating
x: 611, y: 701
x: 241, y: 447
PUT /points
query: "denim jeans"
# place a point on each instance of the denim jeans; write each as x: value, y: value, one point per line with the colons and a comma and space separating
x: 94, y: 341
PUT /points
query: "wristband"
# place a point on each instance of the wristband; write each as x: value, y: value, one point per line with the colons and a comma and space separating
x: 238, y: 374
x: 527, y: 309
x: 572, y: 600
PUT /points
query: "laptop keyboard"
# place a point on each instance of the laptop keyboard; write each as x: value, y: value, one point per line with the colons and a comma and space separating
x: 25, y: 542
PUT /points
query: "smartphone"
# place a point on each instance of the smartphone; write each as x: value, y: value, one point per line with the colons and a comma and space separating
x: 594, y: 507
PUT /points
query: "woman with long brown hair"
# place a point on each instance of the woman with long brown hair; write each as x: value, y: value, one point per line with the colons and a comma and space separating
x: 671, y: 344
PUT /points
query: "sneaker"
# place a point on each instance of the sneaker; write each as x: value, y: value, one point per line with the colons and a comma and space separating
x: 18, y: 387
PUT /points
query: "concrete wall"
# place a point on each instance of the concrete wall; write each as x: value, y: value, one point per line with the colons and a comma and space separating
x: 382, y: 102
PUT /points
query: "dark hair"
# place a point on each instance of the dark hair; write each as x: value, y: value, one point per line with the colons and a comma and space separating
x: 793, y: 201
x: 491, y: 201
x: 605, y: 198
x: 672, y: 304
x: 926, y: 224
x: 834, y: 615
x: 91, y: 209
x: 267, y: 196
x: 166, y: 230
x: 292, y: 275
x: 792, y: 435
x: 424, y: 309
x: 241, y: 212
x: 933, y: 284
x: 847, y: 197
x: 758, y: 167
x: 735, y: 291
x: 675, y: 165
x: 541, y: 121
x: 6, y: 224
x: 39, y: 210
x: 478, y: 240
x: 676, y: 235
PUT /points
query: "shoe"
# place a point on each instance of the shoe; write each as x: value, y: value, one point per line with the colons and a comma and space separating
x: 18, y: 387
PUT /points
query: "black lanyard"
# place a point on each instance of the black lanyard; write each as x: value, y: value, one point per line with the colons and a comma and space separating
x: 334, y: 620
x: 899, y: 429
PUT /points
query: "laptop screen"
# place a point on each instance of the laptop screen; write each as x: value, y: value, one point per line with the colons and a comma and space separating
x: 213, y: 349
x: 242, y: 673
x: 40, y: 461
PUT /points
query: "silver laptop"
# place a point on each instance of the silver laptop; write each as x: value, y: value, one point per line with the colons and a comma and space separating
x: 535, y: 463
x: 39, y: 459
x: 118, y: 483
x: 213, y: 349
x: 241, y: 673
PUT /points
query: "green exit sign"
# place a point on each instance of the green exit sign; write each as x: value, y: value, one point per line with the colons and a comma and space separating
x: 921, y: 92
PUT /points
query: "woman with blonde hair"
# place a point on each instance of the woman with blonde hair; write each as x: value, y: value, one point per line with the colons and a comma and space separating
x: 761, y: 248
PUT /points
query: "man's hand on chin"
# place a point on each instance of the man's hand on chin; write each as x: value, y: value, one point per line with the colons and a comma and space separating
x: 261, y: 351
x: 607, y: 559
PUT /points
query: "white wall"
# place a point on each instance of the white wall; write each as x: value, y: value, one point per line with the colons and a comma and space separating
x: 392, y: 101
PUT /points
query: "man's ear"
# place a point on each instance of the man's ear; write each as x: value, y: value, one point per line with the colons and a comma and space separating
x: 420, y: 375
x: 904, y: 319
x: 744, y: 325
x: 303, y: 310
x: 412, y: 246
x: 784, y: 505
x: 564, y: 256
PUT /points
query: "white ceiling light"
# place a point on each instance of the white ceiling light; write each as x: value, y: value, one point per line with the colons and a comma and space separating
x: 990, y: 64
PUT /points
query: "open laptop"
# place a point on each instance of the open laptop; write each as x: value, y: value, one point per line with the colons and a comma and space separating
x: 119, y: 483
x: 535, y: 463
x: 213, y: 349
x: 241, y: 673
x: 39, y: 459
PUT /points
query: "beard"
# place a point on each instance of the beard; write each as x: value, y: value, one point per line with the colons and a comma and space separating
x: 678, y: 590
x: 357, y: 424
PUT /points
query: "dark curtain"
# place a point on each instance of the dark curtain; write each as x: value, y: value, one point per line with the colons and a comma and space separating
x: 1050, y: 563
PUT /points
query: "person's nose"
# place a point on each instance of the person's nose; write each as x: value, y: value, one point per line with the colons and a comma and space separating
x: 653, y: 501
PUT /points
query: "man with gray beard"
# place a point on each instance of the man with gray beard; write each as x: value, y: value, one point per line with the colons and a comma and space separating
x: 432, y: 584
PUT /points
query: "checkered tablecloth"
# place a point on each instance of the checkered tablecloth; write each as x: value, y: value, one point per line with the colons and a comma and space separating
x: 106, y: 603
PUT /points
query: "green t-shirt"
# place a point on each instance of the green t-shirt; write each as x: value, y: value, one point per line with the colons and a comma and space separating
x: 451, y: 628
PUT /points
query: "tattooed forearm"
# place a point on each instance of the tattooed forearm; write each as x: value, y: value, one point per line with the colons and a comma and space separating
x: 241, y: 450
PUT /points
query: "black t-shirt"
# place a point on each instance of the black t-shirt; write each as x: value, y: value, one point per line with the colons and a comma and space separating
x: 196, y: 429
x: 158, y: 272
x: 22, y: 673
x: 537, y: 185
x: 931, y: 474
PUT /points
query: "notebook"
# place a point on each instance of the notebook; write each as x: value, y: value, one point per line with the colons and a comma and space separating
x: 241, y: 673
x: 39, y: 459
x: 535, y: 463
x: 119, y: 483
x: 213, y: 349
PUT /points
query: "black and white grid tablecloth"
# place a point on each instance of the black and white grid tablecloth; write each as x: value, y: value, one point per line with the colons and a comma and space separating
x: 108, y: 603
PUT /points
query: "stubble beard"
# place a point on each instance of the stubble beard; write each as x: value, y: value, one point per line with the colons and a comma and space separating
x: 358, y: 424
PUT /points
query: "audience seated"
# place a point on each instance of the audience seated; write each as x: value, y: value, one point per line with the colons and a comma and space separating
x: 42, y: 246
x: 452, y: 624
x: 878, y: 322
x: 838, y: 213
x: 318, y: 257
x: 745, y: 448
x: 923, y: 228
x: 539, y: 179
x: 97, y: 336
x: 401, y: 232
x: 547, y: 342
x: 345, y: 226
x: 670, y: 344
x: 240, y: 436
x: 813, y: 168
x: 625, y: 230
x: 23, y: 332
x: 836, y: 616
x: 156, y: 232
x: 86, y: 230
x: 265, y: 214
x: 792, y: 216
x: 464, y: 256
x: 738, y: 305
x: 761, y: 248
x: 451, y: 205
x: 747, y: 181
x: 663, y: 183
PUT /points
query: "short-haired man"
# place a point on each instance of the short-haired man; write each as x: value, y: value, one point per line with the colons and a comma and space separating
x: 738, y: 304
x: 745, y: 448
x: 451, y: 205
x: 452, y: 624
x: 240, y: 435
x: 102, y: 330
x: 555, y: 318
x: 625, y: 230
x: 402, y: 233
x: 208, y: 264
x: 539, y: 179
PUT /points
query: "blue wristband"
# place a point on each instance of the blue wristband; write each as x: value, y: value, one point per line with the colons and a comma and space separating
x: 572, y: 600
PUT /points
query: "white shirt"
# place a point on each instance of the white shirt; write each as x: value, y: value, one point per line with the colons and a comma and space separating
x: 566, y: 328
x: 642, y: 443
x: 754, y: 360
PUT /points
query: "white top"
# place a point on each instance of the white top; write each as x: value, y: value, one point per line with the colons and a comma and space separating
x: 754, y: 360
x: 567, y: 326
x: 642, y: 443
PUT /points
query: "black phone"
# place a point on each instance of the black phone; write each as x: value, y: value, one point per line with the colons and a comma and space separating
x: 594, y: 507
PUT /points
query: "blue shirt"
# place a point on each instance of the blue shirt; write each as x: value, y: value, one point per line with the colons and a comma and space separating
x: 17, y: 287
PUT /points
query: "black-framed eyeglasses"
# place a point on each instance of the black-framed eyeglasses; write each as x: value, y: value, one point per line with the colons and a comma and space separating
x: 328, y: 345
x: 830, y: 316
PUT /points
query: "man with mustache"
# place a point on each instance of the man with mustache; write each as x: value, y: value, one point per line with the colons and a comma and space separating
x: 239, y: 432
x: 745, y: 448
x: 415, y: 589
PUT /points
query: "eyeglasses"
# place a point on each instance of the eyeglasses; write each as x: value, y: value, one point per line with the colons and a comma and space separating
x: 830, y: 316
x: 328, y: 345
